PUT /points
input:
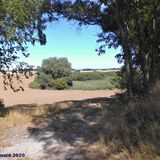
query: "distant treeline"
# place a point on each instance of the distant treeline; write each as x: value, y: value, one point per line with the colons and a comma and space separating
x: 104, y: 69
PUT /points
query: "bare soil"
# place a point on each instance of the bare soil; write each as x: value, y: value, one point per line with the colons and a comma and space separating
x: 34, y: 96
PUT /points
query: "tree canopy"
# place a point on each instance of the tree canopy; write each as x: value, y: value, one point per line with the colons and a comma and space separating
x: 21, y: 22
x: 56, y: 67
x: 52, y: 73
x: 133, y: 25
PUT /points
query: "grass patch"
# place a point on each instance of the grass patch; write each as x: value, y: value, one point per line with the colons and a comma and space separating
x: 92, y: 85
x: 19, y: 117
x: 85, y: 76
x: 34, y: 85
x: 132, y: 131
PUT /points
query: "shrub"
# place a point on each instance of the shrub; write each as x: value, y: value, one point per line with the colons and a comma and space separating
x: 34, y: 85
x: 121, y: 81
x: 45, y: 81
x: 60, y: 84
x: 1, y: 104
x: 52, y: 69
x: 3, y: 110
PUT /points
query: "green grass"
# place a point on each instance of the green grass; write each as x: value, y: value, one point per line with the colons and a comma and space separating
x: 93, y: 85
x: 87, y: 81
x: 34, y: 85
x: 84, y: 76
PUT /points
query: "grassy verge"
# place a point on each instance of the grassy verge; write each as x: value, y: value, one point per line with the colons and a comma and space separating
x: 19, y: 117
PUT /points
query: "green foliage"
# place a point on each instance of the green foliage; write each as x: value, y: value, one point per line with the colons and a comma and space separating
x: 34, y: 85
x: 55, y: 67
x: 45, y: 81
x: 84, y: 76
x: 93, y: 80
x: 21, y: 22
x: 93, y: 84
x: 60, y: 84
x: 1, y: 104
x: 131, y: 25
x: 120, y: 81
x: 3, y: 110
x: 101, y: 80
x: 52, y: 73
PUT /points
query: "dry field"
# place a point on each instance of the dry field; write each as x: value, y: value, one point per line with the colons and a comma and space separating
x: 57, y: 131
x: 34, y: 96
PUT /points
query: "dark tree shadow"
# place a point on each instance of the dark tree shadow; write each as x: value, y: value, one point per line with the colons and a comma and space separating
x: 70, y: 122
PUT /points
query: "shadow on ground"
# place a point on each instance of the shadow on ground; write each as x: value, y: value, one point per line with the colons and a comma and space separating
x: 74, y: 123
x: 70, y: 130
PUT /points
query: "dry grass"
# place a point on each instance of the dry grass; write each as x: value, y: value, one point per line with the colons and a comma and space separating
x: 132, y: 131
x: 3, y: 145
x: 24, y: 116
x: 19, y: 117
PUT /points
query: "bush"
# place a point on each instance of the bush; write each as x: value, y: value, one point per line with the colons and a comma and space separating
x: 60, y: 84
x: 52, y: 69
x: 45, y: 81
x: 34, y: 85
x: 1, y: 103
x: 121, y: 81
x: 3, y: 110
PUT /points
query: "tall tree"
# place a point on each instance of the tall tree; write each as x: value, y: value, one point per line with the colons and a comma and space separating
x: 21, y: 22
x: 132, y: 24
x: 111, y: 18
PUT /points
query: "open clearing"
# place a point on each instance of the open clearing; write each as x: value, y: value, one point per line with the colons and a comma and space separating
x: 68, y: 129
x: 34, y: 96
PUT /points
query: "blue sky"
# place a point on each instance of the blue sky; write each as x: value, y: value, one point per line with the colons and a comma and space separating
x: 78, y: 44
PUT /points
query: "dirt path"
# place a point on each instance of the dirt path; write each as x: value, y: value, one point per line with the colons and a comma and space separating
x: 69, y: 133
x: 33, y: 149
x: 30, y: 96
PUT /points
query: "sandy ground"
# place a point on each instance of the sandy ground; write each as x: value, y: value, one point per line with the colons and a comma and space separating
x: 31, y: 96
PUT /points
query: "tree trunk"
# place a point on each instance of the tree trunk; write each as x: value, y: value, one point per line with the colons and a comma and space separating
x: 126, y: 50
x: 146, y: 75
x: 128, y: 63
x: 144, y: 58
x: 128, y: 66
